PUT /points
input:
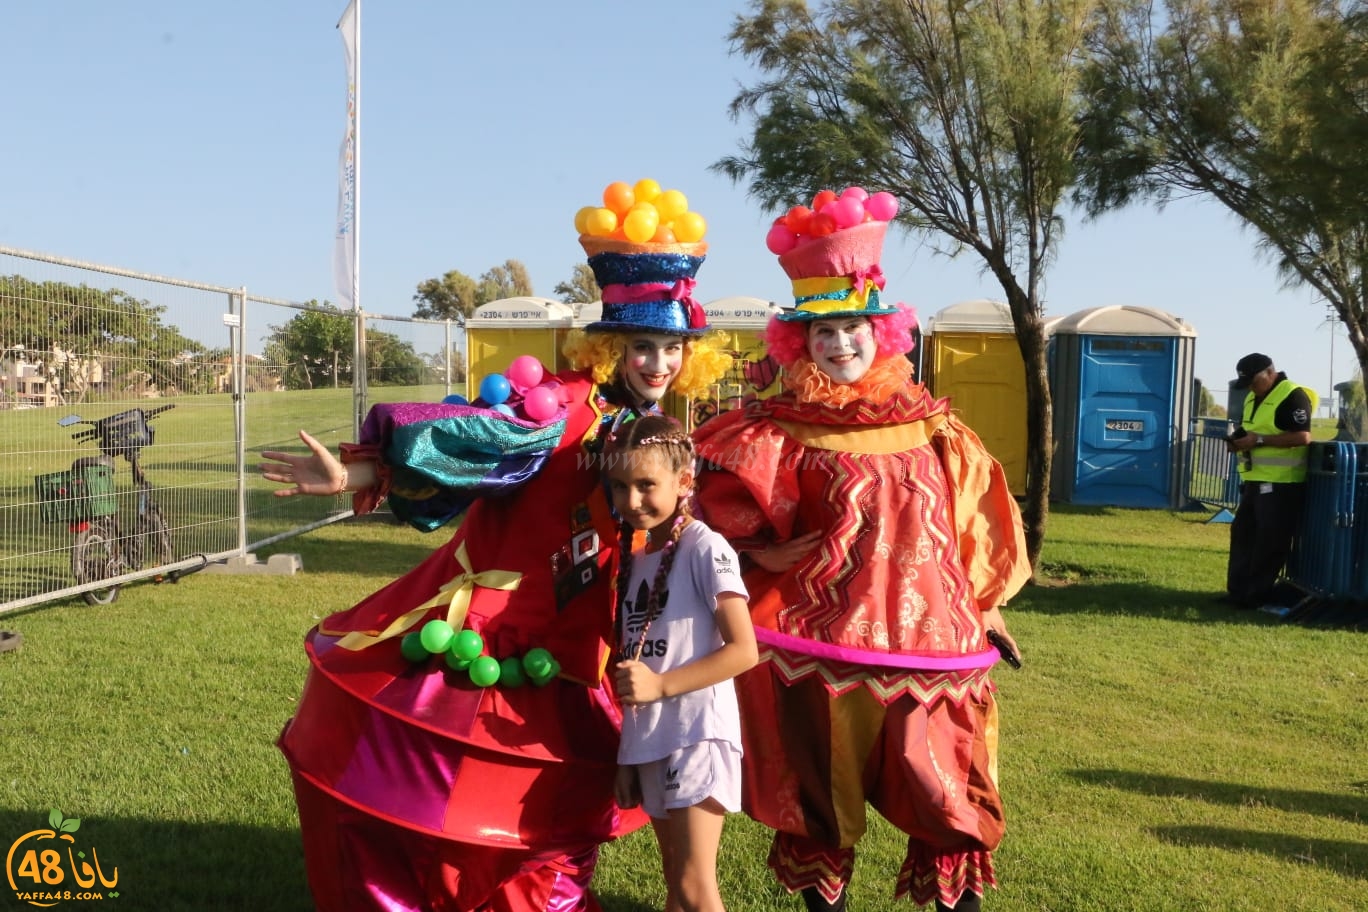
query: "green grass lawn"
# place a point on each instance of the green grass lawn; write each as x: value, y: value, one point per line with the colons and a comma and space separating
x: 1159, y: 751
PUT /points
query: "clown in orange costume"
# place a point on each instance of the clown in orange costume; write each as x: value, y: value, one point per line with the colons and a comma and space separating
x: 881, y: 541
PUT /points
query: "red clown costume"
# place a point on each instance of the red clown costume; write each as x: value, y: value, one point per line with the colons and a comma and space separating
x: 417, y: 788
x: 873, y: 681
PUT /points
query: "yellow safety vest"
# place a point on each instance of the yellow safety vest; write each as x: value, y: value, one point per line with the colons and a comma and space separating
x: 1266, y: 463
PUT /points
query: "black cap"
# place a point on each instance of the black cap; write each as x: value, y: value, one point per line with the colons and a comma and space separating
x: 1248, y: 366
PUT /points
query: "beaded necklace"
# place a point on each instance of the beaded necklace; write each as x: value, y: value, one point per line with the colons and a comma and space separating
x: 658, y: 593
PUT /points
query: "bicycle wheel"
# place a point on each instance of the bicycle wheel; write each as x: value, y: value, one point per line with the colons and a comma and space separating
x: 154, y: 538
x: 95, y: 556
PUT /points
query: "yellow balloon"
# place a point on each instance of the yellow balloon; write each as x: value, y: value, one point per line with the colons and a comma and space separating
x: 641, y: 223
x: 601, y: 222
x: 582, y: 219
x: 671, y: 204
x: 689, y: 228
x: 646, y: 190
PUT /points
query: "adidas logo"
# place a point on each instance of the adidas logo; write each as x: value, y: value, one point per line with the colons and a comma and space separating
x: 671, y: 780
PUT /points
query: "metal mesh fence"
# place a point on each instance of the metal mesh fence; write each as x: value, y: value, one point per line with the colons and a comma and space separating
x: 134, y: 407
x: 126, y: 379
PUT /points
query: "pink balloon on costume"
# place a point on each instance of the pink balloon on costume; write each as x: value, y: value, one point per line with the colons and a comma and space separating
x: 858, y: 193
x: 525, y: 372
x: 882, y: 205
x: 540, y: 403
x: 781, y: 239
x: 847, y: 211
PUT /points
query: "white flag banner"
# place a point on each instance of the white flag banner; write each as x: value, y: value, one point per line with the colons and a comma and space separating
x: 345, y: 243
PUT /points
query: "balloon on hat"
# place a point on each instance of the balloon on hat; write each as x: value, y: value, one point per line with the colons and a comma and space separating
x: 882, y: 205
x: 619, y: 197
x: 689, y: 228
x: 455, y: 399
x: 525, y: 372
x: 646, y: 190
x: 781, y: 240
x: 671, y: 204
x: 641, y: 223
x: 503, y: 408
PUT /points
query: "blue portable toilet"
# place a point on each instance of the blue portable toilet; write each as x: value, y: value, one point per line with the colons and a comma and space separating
x: 1121, y: 379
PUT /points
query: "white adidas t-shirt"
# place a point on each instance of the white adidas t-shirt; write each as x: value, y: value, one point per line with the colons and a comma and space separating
x: 705, y: 566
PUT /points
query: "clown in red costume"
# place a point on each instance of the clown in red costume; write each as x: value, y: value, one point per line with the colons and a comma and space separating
x: 422, y: 782
x: 881, y: 541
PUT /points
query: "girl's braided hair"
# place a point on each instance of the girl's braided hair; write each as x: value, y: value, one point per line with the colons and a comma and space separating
x: 664, y: 435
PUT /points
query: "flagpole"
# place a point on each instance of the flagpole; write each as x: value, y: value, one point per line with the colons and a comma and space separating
x: 347, y: 243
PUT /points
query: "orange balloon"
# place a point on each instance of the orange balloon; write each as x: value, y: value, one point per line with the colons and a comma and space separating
x: 582, y: 219
x: 646, y: 190
x: 664, y: 235
x: 822, y: 198
x: 619, y: 197
x: 671, y: 204
x: 601, y: 223
x: 689, y: 228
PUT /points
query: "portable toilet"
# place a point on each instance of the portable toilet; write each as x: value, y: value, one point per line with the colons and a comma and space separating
x: 500, y: 331
x: 1122, y: 378
x: 973, y: 358
x: 753, y: 374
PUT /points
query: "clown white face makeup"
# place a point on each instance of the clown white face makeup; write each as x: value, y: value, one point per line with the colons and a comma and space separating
x: 843, y: 348
x: 650, y: 364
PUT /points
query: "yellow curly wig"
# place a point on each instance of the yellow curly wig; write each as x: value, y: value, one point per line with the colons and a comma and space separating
x: 704, y: 360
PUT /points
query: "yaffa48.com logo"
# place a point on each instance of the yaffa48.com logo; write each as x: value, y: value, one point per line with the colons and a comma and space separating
x: 45, y: 867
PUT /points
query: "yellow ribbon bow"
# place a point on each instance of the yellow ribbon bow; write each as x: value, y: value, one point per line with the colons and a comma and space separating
x: 455, y: 594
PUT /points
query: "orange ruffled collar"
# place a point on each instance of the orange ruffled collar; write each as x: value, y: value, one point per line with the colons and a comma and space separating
x: 884, y: 379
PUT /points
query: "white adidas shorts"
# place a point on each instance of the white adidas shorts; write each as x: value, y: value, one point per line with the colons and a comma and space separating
x: 710, y: 769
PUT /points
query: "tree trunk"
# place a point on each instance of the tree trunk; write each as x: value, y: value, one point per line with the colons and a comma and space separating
x: 1030, y: 333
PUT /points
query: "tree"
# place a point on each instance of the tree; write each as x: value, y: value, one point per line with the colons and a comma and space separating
x: 452, y: 297
x: 965, y: 109
x: 88, y: 340
x: 1260, y: 106
x: 580, y: 288
x: 314, y: 349
x: 507, y: 281
x: 456, y: 295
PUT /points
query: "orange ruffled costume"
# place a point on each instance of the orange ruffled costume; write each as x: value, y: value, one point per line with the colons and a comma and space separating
x: 873, y: 681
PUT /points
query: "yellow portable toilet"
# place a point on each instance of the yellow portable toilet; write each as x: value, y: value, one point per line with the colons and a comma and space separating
x: 500, y: 331
x: 753, y: 374
x: 975, y: 361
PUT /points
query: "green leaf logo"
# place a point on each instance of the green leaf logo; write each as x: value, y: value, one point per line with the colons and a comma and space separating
x: 65, y: 825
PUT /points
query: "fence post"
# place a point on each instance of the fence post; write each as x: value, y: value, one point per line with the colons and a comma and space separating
x: 238, y: 353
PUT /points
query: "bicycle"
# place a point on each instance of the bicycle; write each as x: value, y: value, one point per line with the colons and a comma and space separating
x: 84, y: 498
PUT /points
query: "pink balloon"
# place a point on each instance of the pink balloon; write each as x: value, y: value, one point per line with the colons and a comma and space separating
x: 858, y: 193
x: 525, y: 372
x: 882, y: 205
x: 847, y: 211
x: 781, y: 240
x: 540, y: 403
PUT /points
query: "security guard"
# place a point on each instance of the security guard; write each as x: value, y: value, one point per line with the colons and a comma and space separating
x: 1272, y: 438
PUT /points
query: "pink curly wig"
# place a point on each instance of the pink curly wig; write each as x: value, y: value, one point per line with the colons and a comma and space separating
x: 787, y: 341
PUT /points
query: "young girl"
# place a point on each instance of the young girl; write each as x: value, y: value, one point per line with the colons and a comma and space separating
x: 683, y: 632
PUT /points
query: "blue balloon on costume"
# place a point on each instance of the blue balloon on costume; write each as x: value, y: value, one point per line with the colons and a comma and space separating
x: 503, y: 408
x: 494, y: 389
x: 455, y: 399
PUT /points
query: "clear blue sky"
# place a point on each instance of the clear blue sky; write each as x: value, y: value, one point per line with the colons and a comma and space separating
x: 200, y: 141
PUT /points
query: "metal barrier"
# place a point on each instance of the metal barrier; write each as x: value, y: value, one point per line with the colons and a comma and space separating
x: 1328, y: 552
x: 88, y: 342
x: 1214, y: 477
